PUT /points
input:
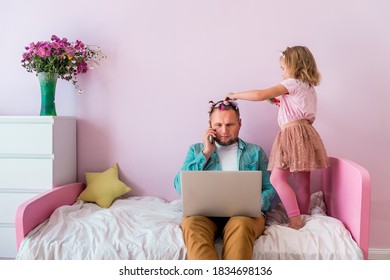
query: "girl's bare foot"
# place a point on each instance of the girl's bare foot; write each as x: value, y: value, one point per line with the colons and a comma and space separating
x: 295, y: 222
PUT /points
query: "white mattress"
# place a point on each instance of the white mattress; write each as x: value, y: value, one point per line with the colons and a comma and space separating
x: 149, y: 228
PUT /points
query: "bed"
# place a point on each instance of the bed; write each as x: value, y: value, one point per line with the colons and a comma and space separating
x: 55, y: 225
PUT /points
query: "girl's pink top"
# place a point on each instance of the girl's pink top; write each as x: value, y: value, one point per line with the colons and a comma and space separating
x: 299, y: 103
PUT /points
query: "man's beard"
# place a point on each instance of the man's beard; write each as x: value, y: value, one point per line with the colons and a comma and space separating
x: 228, y: 142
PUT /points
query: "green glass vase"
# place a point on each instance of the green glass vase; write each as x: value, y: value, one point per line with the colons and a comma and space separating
x: 48, y: 82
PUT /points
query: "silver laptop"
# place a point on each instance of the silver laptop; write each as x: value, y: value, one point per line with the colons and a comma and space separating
x: 221, y: 193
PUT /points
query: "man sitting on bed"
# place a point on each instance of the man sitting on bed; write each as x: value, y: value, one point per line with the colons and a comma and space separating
x: 239, y: 232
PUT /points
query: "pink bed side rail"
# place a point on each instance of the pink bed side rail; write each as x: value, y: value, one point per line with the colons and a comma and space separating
x: 347, y: 194
x: 38, y: 209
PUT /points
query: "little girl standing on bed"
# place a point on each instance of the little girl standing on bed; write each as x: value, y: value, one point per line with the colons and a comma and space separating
x: 298, y: 147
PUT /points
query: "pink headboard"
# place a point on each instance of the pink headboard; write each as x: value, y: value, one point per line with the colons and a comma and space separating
x: 347, y: 193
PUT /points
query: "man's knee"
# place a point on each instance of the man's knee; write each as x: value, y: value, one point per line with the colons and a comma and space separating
x: 193, y: 222
x: 198, y: 226
x: 239, y: 224
x: 242, y: 225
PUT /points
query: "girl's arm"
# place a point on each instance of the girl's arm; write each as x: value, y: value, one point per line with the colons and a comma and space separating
x: 259, y: 95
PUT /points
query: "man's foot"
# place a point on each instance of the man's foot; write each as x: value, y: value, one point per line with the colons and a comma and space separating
x: 295, y: 222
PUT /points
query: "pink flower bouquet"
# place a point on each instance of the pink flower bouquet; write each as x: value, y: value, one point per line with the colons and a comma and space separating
x: 67, y: 59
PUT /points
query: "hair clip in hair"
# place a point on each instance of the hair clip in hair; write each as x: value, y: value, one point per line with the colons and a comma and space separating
x: 211, y: 103
x: 222, y: 105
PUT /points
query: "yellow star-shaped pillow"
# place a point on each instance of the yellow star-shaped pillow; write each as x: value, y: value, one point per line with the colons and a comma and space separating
x: 103, y: 188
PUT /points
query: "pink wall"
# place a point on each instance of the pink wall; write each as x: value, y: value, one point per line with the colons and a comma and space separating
x: 148, y: 101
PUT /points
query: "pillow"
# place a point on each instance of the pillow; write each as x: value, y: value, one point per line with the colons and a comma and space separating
x: 278, y: 215
x: 103, y: 188
x: 317, y: 203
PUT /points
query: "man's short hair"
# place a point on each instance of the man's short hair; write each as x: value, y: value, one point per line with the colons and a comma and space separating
x: 224, y: 105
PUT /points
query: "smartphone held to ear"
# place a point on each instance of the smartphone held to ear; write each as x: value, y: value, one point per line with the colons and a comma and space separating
x: 211, y: 139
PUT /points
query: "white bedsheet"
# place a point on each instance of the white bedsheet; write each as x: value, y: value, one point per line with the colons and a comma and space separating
x: 149, y: 228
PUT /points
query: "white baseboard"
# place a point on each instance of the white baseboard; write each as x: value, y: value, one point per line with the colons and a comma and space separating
x: 379, y: 254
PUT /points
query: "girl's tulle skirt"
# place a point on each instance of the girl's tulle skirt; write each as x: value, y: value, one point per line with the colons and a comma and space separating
x: 298, y: 147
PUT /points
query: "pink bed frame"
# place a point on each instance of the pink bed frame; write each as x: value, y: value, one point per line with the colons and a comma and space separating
x: 345, y: 184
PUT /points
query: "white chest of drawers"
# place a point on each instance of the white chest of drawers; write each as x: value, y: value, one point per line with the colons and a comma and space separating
x: 36, y: 154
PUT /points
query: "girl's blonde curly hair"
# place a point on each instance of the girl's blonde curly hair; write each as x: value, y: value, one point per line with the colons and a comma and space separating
x: 301, y: 64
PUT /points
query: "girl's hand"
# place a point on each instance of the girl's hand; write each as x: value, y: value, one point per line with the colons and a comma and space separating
x: 230, y: 96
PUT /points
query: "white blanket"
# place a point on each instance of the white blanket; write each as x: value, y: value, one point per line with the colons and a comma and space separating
x: 147, y: 228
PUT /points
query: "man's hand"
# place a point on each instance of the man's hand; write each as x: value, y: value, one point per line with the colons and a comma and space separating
x: 208, y: 146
